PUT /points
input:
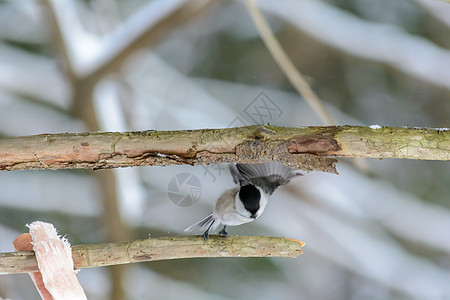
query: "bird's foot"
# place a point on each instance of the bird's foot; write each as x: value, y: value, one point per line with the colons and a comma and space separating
x: 205, y: 235
x: 223, y: 232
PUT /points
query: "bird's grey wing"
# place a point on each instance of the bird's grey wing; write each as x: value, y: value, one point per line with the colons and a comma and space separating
x: 268, y: 175
x: 237, y: 176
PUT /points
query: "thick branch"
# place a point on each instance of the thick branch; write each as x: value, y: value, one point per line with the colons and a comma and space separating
x: 97, y: 255
x: 307, y: 148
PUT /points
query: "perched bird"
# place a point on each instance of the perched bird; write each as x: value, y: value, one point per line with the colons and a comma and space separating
x: 246, y: 202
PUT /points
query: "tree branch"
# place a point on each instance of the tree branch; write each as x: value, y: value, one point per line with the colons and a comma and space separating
x: 98, y: 255
x: 286, y: 65
x: 307, y: 148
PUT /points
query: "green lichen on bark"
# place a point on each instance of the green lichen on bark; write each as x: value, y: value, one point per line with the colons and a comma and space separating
x: 307, y: 148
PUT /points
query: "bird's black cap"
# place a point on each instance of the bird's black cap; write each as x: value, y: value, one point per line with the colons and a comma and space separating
x: 250, y: 197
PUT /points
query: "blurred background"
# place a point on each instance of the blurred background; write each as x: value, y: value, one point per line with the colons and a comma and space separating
x: 114, y: 65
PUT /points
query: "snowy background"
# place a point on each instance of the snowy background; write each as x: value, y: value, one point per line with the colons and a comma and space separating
x: 76, y: 66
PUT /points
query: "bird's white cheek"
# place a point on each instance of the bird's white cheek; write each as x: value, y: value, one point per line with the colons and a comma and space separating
x: 240, y: 209
x: 262, y: 205
x: 245, y: 213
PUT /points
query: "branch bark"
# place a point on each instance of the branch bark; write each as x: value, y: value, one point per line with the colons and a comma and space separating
x: 307, y: 148
x: 97, y: 255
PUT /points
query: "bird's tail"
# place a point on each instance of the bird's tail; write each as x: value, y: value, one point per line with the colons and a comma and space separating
x: 204, y: 224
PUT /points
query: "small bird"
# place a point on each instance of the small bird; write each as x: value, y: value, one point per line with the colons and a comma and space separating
x: 246, y: 202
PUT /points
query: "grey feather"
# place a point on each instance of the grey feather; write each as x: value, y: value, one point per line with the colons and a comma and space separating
x: 201, y: 225
x: 268, y: 176
x: 237, y: 177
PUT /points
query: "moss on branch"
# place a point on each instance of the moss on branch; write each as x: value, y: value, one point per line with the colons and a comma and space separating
x: 307, y: 148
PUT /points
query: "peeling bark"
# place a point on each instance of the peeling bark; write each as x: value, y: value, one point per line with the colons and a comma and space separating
x: 307, y: 148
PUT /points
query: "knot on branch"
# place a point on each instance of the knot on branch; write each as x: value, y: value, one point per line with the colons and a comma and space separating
x: 320, y: 145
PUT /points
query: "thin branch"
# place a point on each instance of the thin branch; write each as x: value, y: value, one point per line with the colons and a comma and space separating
x: 292, y: 73
x: 307, y: 148
x: 98, y: 255
x: 286, y: 65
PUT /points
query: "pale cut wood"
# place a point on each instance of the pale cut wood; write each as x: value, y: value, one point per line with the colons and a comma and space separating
x: 53, y: 255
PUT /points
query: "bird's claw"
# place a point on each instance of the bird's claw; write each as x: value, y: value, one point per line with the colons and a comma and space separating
x: 223, y: 232
x: 205, y: 235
